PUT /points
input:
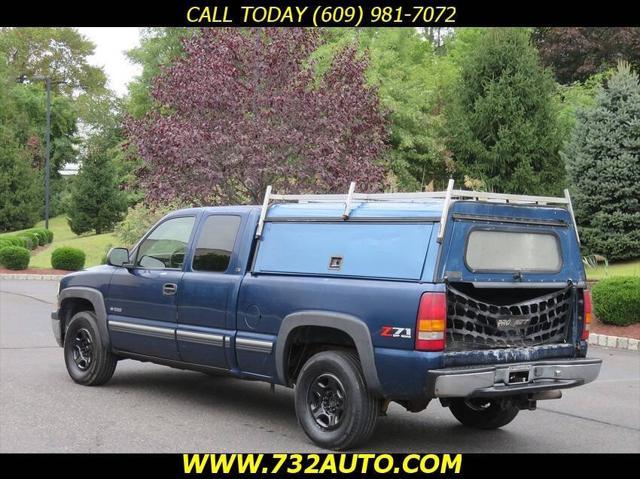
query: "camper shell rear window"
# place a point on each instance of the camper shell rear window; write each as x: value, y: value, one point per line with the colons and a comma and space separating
x: 495, y: 250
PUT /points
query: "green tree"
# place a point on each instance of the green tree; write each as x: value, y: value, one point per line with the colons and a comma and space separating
x: 61, y: 53
x: 159, y: 47
x: 603, y: 158
x: 96, y: 202
x: 502, y: 121
x: 409, y: 77
x: 578, y: 95
x: 18, y: 203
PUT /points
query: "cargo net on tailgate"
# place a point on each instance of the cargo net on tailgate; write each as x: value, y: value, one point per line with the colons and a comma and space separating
x: 473, y: 324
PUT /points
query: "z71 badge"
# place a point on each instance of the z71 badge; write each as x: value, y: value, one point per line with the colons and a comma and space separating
x: 395, y: 332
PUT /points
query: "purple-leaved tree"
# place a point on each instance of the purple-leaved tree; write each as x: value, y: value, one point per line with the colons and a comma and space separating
x: 243, y: 109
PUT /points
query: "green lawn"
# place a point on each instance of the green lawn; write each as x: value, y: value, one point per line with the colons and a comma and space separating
x: 627, y: 268
x: 93, y: 245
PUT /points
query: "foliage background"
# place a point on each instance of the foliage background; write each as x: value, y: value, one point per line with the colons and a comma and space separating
x: 515, y: 110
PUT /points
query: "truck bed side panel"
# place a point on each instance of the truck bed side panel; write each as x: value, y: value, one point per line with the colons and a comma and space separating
x: 265, y: 300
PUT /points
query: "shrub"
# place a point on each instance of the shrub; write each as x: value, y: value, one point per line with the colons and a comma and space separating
x: 12, y: 240
x: 14, y: 257
x: 45, y: 235
x: 33, y: 242
x: 35, y: 237
x: 65, y: 257
x: 616, y: 300
x: 42, y: 236
x: 5, y: 242
x: 15, y: 241
x: 25, y: 241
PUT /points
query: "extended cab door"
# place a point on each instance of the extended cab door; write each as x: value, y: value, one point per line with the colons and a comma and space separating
x: 141, y: 304
x: 207, y: 300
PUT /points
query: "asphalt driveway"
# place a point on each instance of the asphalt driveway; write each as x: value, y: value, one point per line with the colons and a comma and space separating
x: 149, y: 408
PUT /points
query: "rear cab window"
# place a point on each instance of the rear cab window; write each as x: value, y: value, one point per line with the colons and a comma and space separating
x: 214, y: 246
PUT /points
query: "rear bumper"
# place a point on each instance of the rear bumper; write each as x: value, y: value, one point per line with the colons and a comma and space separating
x: 511, y: 379
x: 56, y: 325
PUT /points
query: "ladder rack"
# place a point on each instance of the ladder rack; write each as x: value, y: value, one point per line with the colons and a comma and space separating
x: 449, y: 195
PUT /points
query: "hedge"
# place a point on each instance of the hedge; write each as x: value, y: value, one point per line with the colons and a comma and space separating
x: 23, y: 241
x: 70, y: 259
x: 15, y: 241
x: 42, y: 237
x: 616, y: 300
x: 45, y: 235
x: 39, y: 236
x: 33, y: 238
x: 14, y: 257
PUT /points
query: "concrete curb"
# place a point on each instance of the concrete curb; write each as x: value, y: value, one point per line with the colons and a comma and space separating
x: 42, y: 277
x: 616, y: 342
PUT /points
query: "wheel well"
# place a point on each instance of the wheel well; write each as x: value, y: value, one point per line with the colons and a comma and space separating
x: 305, y: 341
x: 72, y: 306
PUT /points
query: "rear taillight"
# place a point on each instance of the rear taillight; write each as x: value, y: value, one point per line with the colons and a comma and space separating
x: 431, y: 322
x: 586, y: 295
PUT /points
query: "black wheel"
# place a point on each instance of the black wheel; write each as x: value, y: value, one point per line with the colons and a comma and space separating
x: 482, y: 413
x: 333, y: 405
x: 88, y: 361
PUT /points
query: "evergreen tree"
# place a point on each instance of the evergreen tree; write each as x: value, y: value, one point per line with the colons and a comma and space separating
x: 502, y: 126
x: 603, y: 158
x: 18, y: 204
x: 96, y: 200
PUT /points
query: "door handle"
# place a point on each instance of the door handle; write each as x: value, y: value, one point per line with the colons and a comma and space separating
x: 169, y: 288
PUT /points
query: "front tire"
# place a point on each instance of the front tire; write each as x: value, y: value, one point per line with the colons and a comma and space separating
x: 483, y: 413
x: 88, y: 362
x: 333, y: 404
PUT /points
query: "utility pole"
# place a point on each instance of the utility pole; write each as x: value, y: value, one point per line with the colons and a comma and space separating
x: 47, y: 161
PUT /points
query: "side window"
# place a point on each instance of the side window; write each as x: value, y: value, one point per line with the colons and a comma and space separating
x: 215, y: 244
x: 166, y: 246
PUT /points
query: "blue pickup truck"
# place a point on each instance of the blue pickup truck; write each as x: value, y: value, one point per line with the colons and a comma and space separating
x: 476, y: 299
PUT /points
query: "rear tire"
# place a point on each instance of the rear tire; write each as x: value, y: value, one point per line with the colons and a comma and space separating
x: 333, y: 405
x: 482, y: 413
x: 88, y: 362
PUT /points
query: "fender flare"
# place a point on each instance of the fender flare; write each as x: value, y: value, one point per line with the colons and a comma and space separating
x: 357, y: 330
x: 96, y: 299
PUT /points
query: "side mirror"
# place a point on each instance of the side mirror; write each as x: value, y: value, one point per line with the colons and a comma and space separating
x: 118, y: 257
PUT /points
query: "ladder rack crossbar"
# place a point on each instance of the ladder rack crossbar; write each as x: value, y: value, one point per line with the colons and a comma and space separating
x: 448, y: 196
x: 430, y: 195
